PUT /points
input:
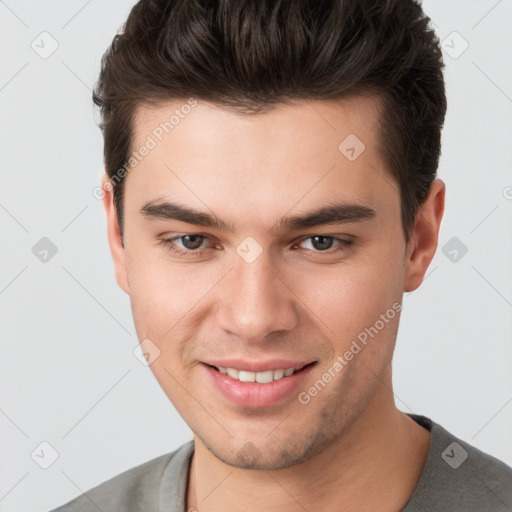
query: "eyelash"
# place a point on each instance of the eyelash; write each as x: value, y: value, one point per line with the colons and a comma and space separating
x: 168, y: 243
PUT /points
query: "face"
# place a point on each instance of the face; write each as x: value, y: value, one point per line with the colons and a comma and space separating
x: 295, y: 258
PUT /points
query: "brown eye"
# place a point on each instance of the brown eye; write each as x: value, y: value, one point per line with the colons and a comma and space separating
x: 189, y: 245
x: 322, y: 243
x: 191, y: 242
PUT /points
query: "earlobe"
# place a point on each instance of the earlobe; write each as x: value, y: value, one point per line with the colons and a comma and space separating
x: 114, y: 234
x: 423, y: 242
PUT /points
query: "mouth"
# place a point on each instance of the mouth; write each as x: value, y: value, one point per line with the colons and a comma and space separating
x: 273, y: 385
x: 263, y: 377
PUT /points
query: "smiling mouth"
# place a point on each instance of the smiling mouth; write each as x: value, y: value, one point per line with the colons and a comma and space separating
x: 264, y: 377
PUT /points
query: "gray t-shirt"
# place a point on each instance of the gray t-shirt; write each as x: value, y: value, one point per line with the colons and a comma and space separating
x: 457, y: 477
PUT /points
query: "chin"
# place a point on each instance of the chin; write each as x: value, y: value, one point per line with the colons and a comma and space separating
x: 250, y: 455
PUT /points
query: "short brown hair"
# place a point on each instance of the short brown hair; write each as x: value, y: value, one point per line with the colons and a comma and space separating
x: 249, y: 55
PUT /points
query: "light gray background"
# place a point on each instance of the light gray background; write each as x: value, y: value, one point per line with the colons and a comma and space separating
x: 68, y: 374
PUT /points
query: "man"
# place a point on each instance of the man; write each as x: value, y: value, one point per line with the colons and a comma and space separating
x: 271, y: 193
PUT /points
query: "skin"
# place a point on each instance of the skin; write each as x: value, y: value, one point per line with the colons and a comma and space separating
x: 349, y: 448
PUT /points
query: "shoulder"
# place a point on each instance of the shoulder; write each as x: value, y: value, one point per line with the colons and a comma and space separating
x: 138, y: 488
x: 459, y: 476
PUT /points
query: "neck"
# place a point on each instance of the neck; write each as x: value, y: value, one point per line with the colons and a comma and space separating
x: 375, y: 464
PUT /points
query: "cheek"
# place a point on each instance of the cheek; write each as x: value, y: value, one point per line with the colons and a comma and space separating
x: 350, y: 297
x: 159, y: 292
x: 168, y: 297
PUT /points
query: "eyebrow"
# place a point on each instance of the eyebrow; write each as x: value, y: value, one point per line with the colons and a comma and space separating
x: 337, y: 213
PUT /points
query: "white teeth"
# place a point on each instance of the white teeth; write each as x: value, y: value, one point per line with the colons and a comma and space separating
x: 264, y: 377
x: 232, y: 373
x: 246, y: 376
x: 260, y: 377
x: 278, y: 374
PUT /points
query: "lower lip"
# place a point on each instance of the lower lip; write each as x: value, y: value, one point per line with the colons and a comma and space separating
x: 254, y: 394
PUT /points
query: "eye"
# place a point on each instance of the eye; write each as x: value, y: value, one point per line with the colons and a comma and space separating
x: 190, y: 244
x: 322, y: 243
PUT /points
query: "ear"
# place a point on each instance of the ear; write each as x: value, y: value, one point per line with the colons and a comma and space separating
x: 114, y: 234
x: 422, y: 244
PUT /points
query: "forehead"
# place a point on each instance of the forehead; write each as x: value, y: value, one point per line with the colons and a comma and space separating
x: 307, y: 126
x: 295, y: 156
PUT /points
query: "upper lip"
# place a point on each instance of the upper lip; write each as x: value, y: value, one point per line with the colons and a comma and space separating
x: 258, y: 366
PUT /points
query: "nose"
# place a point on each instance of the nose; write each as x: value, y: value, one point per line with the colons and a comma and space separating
x: 255, y: 301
